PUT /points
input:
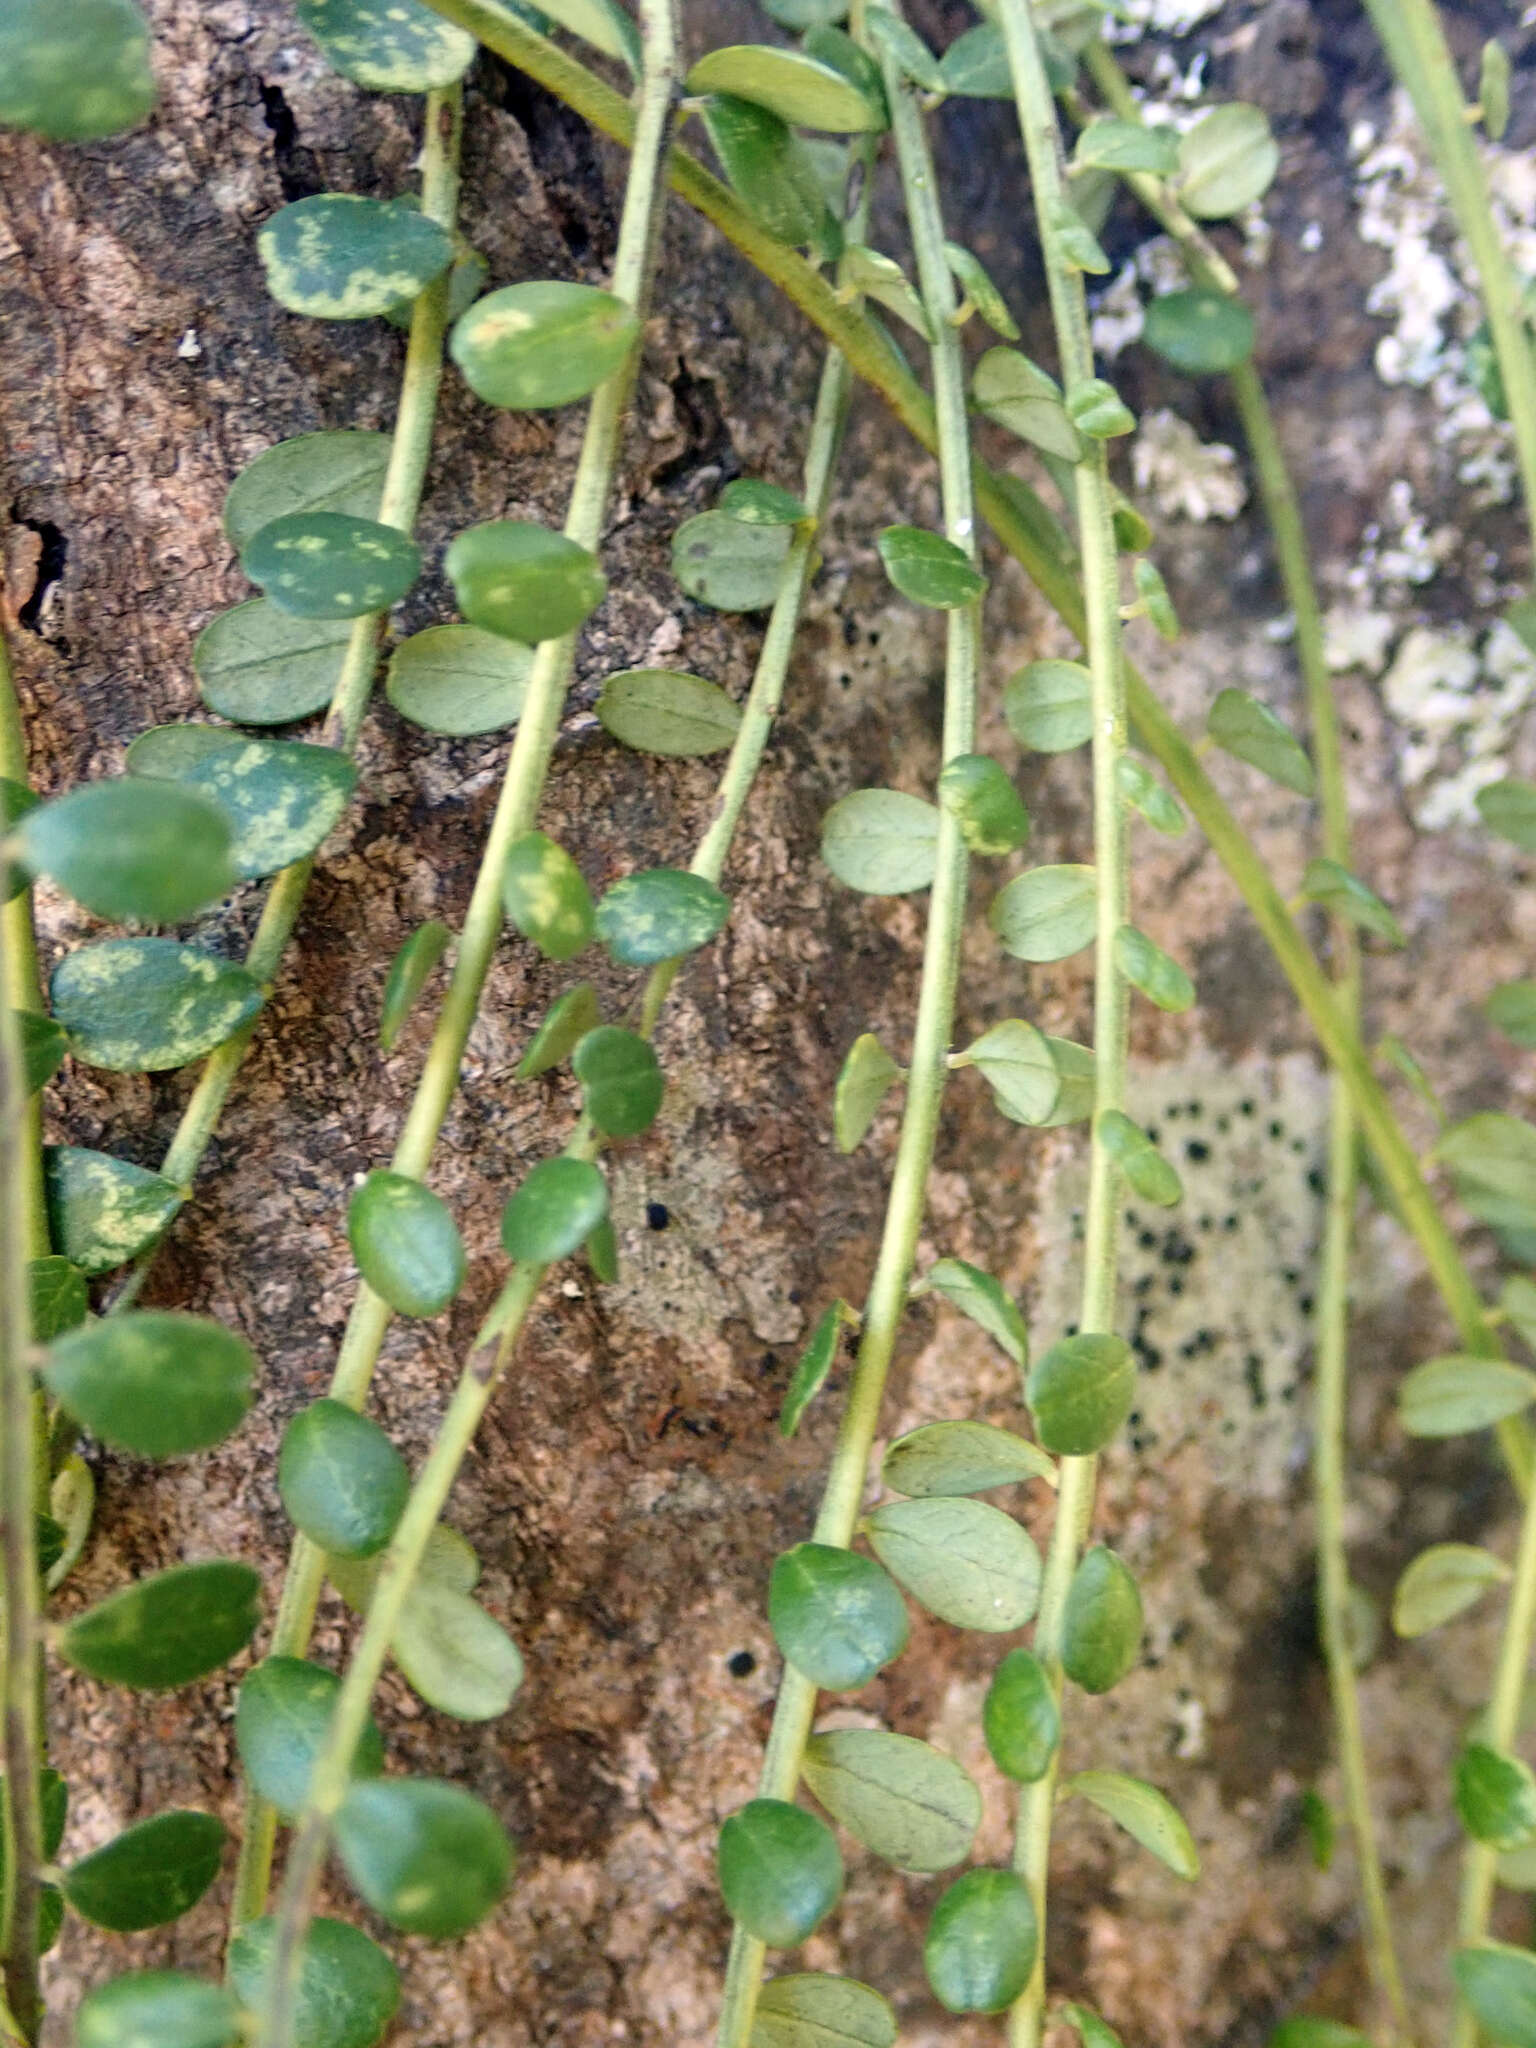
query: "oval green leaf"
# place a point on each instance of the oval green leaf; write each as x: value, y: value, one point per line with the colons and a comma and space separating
x: 406, y: 1243
x: 282, y: 1720
x: 1096, y: 409
x: 758, y: 503
x: 1508, y: 809
x: 621, y: 1081
x: 102, y: 1211
x: 815, y: 1363
x: 546, y: 897
x: 1145, y: 1814
x: 570, y: 1018
x: 522, y: 580
x: 1047, y: 913
x: 169, y: 1629
x: 1020, y: 1718
x: 902, y: 1798
x: 76, y: 73
x: 810, y: 2010
x: 863, y: 1082
x: 1242, y: 726
x: 1140, y: 788
x: 659, y: 711
x: 458, y: 680
x: 129, y: 849
x: 728, y: 564
x: 409, y: 973
x: 555, y: 1210
x: 1199, y: 332
x: 348, y: 1989
x: 981, y: 1942
x: 1049, y: 706
x: 948, y: 1458
x: 430, y: 1858
x: 456, y: 1657
x: 965, y: 1561
x: 780, y: 1871
x: 1081, y: 1392
x: 56, y: 1298
x: 261, y: 666
x: 1226, y: 161
x: 338, y: 257
x: 1017, y: 1063
x: 1492, y: 1160
x: 1452, y: 1395
x: 1495, y: 1797
x: 44, y: 1044
x: 1145, y: 1168
x: 157, y: 1384
x: 660, y: 914
x: 1114, y: 145
x: 978, y: 793
x: 1512, y: 1010
x: 1331, y: 884
x: 836, y: 1616
x: 331, y: 472
x: 145, y: 1005
x: 157, y: 2009
x: 169, y: 751
x: 772, y: 172
x: 389, y: 45
x: 330, y: 565
x: 282, y: 798
x: 341, y: 1480
x: 543, y: 343
x: 929, y: 569
x: 1101, y: 1626
x: 881, y: 841
x: 1498, y: 1985
x: 985, y: 1301
x: 149, y: 1875
x: 797, y: 88
x: 971, y: 275
x: 1015, y: 392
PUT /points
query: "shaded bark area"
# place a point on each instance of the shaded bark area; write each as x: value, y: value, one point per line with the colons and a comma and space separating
x: 630, y: 1489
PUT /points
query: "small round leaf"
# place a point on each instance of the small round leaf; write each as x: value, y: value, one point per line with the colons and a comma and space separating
x: 456, y: 1657
x: 146, y: 1005
x: 331, y: 472
x: 1508, y: 809
x: 458, y: 680
x: 928, y: 568
x: 1081, y: 1392
x: 1495, y: 1797
x: 430, y: 1858
x: 281, y: 798
x: 1049, y: 706
x: 76, y: 73
x: 1145, y: 1814
x: 881, y: 841
x: 409, y: 973
x: 836, y: 1616
x: 338, y: 257
x: 1450, y: 1396
x: 1199, y: 332
x: 1244, y: 727
x: 780, y: 1871
x: 157, y: 2009
x: 981, y: 1941
x: 406, y: 1243
x: 546, y: 897
x: 1145, y: 1168
x: 523, y: 581
x: 348, y: 1988
x: 1101, y: 1626
x: 810, y: 2010
x: 902, y: 1798
x: 1017, y: 1063
x: 341, y: 1480
x: 728, y: 563
x: 282, y: 1719
x: 130, y: 850
x: 555, y: 1210
x: 979, y: 794
x: 1146, y: 966
x: 1047, y: 913
x: 168, y: 1629
x: 103, y: 1211
x: 156, y: 1384
x: 660, y: 914
x: 1443, y: 1582
x: 965, y: 1561
x: 757, y: 503
x: 541, y: 344
x: 261, y: 666
x: 1498, y: 1985
x: 797, y: 88
x: 658, y: 711
x: 947, y: 1458
x: 388, y: 46
x: 1226, y: 161
x: 863, y: 1082
x: 149, y: 1875
x: 331, y: 565
x: 1021, y: 1719
x: 570, y: 1018
x: 621, y: 1081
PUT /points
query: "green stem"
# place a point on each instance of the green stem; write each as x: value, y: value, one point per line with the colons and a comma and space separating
x: 885, y: 1306
x: 516, y: 812
x: 20, y: 1808
x: 19, y: 944
x: 399, y: 503
x: 1030, y: 533
x: 1415, y: 44
x: 1101, y: 586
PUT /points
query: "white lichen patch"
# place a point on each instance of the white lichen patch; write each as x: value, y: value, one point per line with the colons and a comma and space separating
x: 1186, y: 478
x: 1457, y: 701
x: 1216, y: 1292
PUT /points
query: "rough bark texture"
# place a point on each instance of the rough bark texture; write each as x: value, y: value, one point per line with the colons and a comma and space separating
x: 630, y: 1488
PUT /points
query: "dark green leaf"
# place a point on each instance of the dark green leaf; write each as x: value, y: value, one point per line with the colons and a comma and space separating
x: 1047, y: 913
x: 130, y: 849
x: 1498, y: 1985
x: 541, y: 344
x: 772, y: 172
x: 338, y: 257
x: 1018, y: 1066
x: 1114, y: 145
x: 975, y: 66
x: 406, y: 1243
x: 1495, y: 1797
x: 1144, y: 1167
x: 523, y: 581
x: 1449, y: 1396
x: 145, y: 1005
x: 928, y: 568
x: 1019, y: 395
x: 815, y: 1363
x: 103, y: 1211
x: 570, y: 1018
x: 1512, y: 1009
x: 342, y: 1482
x: 1242, y: 726
x: 981, y: 1942
x: 602, y: 1249
x: 797, y: 88
x: 621, y: 1081
x: 281, y: 798
x: 1322, y: 1830
x: 155, y: 1383
x: 985, y: 1301
x: 1096, y: 409
x: 756, y: 503
x: 1331, y: 884
x: 1140, y: 788
x: 15, y: 802
x: 557, y: 1207
x: 261, y: 666
x: 428, y: 1857
x: 1508, y: 809
x: 1101, y: 1627
x: 282, y: 1720
x: 1144, y: 1813
x: 389, y: 46
x: 456, y: 1657
x: 409, y: 973
x: 1226, y: 161
x: 780, y: 1871
x: 979, y: 290
x: 1081, y: 1391
x: 980, y: 796
x: 836, y: 1616
x: 546, y: 898
x: 43, y: 1046
x: 660, y: 914
x: 330, y: 565
x: 730, y: 565
x: 1049, y: 706
x: 658, y: 711
x: 157, y: 2009
x: 348, y: 1988
x: 1199, y: 332
x: 332, y: 472
x: 169, y: 751
x: 881, y: 841
x: 168, y: 1629
x: 1305, y: 2032
x: 1020, y: 1718
x: 863, y: 1082
x: 950, y: 1458
x: 905, y: 1800
x: 965, y: 1561
x: 1492, y: 1160
x: 76, y: 73
x: 150, y: 1875
x: 458, y: 680
x: 56, y: 1296
x: 810, y: 2010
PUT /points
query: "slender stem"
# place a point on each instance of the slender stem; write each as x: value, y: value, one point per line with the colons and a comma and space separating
x: 1031, y: 534
x: 20, y: 1808
x: 19, y: 944
x: 399, y: 503
x: 1101, y: 587
x: 1415, y: 44
x: 516, y: 811
x: 795, y: 1707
